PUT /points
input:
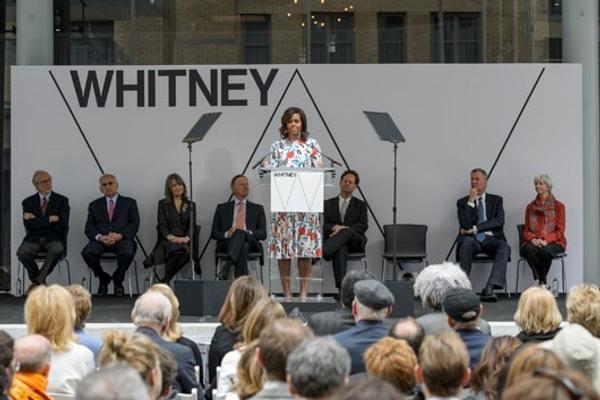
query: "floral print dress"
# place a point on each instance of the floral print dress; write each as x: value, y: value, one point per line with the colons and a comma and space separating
x: 295, y: 235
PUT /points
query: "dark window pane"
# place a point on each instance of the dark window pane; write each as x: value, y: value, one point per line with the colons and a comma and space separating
x: 462, y: 38
x: 256, y: 39
x: 332, y: 38
x: 391, y: 38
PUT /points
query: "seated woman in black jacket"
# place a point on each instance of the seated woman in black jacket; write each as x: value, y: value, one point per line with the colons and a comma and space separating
x: 174, y: 218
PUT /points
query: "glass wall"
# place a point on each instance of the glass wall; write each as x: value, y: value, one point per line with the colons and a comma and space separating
x: 108, y: 32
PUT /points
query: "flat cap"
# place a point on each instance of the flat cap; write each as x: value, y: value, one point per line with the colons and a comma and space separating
x: 462, y: 305
x: 373, y: 294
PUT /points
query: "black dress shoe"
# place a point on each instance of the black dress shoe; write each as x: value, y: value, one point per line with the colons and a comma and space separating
x: 222, y: 277
x: 487, y: 294
x: 102, y: 289
x: 119, y: 290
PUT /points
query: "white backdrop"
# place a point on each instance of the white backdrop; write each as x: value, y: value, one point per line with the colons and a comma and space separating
x: 454, y: 118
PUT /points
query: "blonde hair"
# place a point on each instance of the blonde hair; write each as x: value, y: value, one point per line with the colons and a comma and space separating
x: 243, y: 294
x: 250, y: 374
x: 173, y: 331
x: 537, y: 311
x: 527, y: 359
x: 50, y: 312
x: 137, y: 350
x: 263, y: 314
x: 443, y: 359
x: 583, y: 307
x: 83, y: 304
x: 394, y: 361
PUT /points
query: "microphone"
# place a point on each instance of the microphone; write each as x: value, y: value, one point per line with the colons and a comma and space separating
x: 331, y: 160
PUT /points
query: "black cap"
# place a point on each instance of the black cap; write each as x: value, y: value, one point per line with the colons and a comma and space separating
x: 461, y: 305
x: 373, y: 294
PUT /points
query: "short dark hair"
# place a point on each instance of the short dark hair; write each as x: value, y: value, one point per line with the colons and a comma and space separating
x: 235, y: 179
x: 413, y: 340
x: 351, y: 172
x: 285, y: 118
x: 480, y: 170
x: 347, y: 287
x: 370, y: 388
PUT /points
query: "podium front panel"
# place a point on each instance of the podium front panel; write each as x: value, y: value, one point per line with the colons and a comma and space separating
x: 296, y: 191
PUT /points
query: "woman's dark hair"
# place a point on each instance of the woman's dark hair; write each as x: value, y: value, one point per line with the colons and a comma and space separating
x: 171, y: 179
x: 287, y: 116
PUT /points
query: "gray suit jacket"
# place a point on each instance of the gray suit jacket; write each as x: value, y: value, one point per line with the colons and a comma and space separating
x: 273, y: 390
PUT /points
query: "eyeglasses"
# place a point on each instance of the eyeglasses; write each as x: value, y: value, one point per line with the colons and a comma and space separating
x: 43, y: 182
x: 572, y: 390
x: 108, y: 183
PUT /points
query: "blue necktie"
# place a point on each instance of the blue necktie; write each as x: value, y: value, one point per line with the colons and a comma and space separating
x: 480, y: 236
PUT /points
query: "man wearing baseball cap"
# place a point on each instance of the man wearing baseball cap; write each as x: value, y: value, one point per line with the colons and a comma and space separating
x: 464, y: 309
x: 372, y: 304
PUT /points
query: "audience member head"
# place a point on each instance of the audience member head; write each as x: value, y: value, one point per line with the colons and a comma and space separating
x: 50, y: 312
x: 347, y: 286
x: 463, y: 308
x: 410, y: 330
x: 537, y: 311
x: 112, y: 382
x: 168, y: 370
x: 276, y: 342
x: 583, y: 307
x: 287, y: 117
x: 173, y: 331
x: 546, y: 384
x: 393, y: 361
x: 175, y: 187
x: 528, y: 358
x: 42, y: 181
x: 240, y: 187
x: 250, y: 374
x: 433, y: 282
x: 32, y: 354
x: 264, y: 313
x: 578, y: 349
x: 109, y: 185
x: 494, y: 357
x: 83, y: 304
x: 7, y: 365
x: 443, y: 367
x: 369, y: 388
x: 139, y: 352
x: 152, y: 310
x: 373, y: 301
x: 317, y: 368
x: 243, y: 293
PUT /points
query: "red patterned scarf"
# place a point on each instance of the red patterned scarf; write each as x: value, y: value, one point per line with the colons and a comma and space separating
x: 546, y: 209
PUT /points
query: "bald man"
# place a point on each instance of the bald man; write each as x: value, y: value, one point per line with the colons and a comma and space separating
x: 32, y: 358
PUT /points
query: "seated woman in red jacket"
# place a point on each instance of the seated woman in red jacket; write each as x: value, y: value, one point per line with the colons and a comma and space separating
x: 544, y: 232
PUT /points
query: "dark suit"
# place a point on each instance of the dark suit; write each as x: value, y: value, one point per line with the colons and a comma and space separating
x: 358, y: 339
x: 172, y: 222
x: 43, y: 235
x: 351, y: 239
x: 331, y: 322
x: 242, y: 242
x: 185, y: 380
x: 494, y: 245
x: 125, y: 221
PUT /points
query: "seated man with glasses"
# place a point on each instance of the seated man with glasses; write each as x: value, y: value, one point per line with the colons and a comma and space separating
x: 46, y: 219
x: 111, y: 226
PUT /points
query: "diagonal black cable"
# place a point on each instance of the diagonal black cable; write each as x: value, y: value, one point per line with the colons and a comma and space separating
x: 338, y: 149
x: 262, y: 135
x: 512, y: 129
x: 87, y: 143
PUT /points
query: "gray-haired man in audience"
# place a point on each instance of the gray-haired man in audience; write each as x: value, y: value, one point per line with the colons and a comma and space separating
x: 32, y: 357
x: 317, y: 368
x: 113, y: 382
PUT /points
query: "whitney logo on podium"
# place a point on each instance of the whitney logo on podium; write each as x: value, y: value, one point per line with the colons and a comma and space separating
x: 297, y: 191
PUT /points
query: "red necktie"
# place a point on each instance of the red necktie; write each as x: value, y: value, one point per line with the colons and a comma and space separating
x: 44, y: 205
x: 111, y: 209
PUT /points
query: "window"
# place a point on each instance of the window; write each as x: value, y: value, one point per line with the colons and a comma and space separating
x: 332, y: 38
x: 555, y: 50
x: 256, y: 39
x: 554, y: 8
x: 93, y: 44
x: 462, y: 38
x: 391, y: 37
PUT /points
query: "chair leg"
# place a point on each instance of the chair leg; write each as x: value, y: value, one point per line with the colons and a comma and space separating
x: 20, y: 279
x: 137, y: 279
x: 383, y: 270
x: 66, y: 260
x: 517, y: 277
x: 564, y: 278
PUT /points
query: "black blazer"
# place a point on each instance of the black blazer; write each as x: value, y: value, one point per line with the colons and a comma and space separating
x: 40, y: 226
x: 255, y: 220
x: 126, y: 219
x: 494, y: 213
x: 356, y: 216
x: 170, y: 222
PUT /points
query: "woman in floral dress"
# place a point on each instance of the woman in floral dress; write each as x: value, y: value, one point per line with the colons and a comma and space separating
x: 295, y: 235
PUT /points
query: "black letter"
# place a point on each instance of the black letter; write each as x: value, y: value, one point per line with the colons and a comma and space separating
x: 138, y: 87
x: 172, y: 74
x: 196, y: 80
x: 91, y: 81
x: 263, y: 86
x: 152, y: 88
x: 226, y: 87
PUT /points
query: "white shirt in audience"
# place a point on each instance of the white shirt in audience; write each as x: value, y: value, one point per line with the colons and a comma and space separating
x: 228, y: 375
x: 67, y: 368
